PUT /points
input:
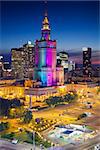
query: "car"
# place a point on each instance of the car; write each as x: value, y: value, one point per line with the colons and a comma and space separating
x: 14, y: 141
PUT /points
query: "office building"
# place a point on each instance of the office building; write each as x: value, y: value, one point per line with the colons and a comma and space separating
x: 23, y: 61
x: 1, y: 66
x: 7, y: 71
x: 29, y: 60
x: 17, y: 61
x: 86, y: 62
x: 63, y: 60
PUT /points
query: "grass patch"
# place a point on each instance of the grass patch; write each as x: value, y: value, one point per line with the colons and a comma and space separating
x: 23, y: 136
x: 8, y: 135
x: 26, y: 136
x: 90, y: 128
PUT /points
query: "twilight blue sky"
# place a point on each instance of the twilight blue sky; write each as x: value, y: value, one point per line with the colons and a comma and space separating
x: 74, y: 24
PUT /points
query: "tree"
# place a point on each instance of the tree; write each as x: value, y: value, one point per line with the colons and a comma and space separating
x: 15, y: 103
x: 98, y: 90
x: 82, y: 116
x: 4, y: 126
x: 56, y: 100
x: 27, y: 117
x: 4, y: 107
x: 16, y: 112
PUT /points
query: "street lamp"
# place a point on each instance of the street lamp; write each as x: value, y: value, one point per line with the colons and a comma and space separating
x: 33, y: 140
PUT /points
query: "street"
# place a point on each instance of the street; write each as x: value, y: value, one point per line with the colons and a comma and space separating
x: 7, y: 145
x: 87, y: 145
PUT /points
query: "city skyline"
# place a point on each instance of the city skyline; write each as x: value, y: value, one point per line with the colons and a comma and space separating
x: 73, y: 29
x: 49, y: 75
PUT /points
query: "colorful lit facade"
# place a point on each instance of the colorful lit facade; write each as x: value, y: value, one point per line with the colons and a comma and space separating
x: 45, y: 59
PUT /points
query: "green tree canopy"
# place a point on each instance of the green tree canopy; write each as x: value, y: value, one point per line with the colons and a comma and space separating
x: 27, y: 117
x: 4, y: 126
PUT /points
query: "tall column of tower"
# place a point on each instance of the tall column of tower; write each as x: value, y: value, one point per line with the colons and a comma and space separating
x: 45, y: 57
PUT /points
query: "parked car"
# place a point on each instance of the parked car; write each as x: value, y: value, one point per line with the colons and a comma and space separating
x: 14, y: 141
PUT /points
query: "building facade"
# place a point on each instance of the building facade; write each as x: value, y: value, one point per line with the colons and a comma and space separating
x: 45, y: 59
x: 1, y: 66
x: 29, y: 60
x: 5, y: 69
x: 63, y: 60
x: 87, y: 62
x: 17, y: 61
x: 23, y: 61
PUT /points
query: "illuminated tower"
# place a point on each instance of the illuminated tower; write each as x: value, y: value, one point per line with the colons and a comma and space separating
x: 45, y: 57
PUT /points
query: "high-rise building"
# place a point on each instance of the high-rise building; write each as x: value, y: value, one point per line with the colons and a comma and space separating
x: 17, y: 63
x: 7, y: 71
x: 63, y: 60
x: 23, y: 61
x: 45, y: 58
x: 1, y: 66
x: 86, y: 62
x: 29, y: 59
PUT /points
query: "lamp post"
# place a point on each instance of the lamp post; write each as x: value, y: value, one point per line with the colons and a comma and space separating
x: 33, y: 140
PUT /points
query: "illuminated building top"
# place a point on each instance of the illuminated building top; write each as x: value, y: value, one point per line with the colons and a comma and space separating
x: 85, y: 49
x: 45, y: 28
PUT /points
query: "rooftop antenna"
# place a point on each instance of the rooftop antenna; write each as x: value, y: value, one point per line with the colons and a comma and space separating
x: 45, y: 2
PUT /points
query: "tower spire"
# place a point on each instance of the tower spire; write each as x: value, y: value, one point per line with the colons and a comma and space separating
x: 45, y: 25
x: 46, y: 14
